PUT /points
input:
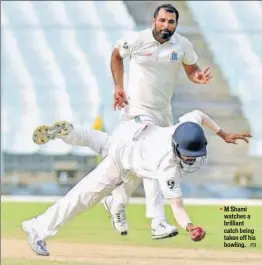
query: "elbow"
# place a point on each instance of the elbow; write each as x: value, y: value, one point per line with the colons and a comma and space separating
x: 116, y: 56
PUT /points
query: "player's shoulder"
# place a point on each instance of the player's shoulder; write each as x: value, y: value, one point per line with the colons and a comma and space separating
x: 145, y: 33
x: 134, y: 34
x: 142, y: 35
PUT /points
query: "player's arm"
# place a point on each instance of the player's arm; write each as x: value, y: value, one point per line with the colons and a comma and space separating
x: 169, y: 181
x: 117, y: 69
x: 180, y: 214
x: 205, y: 120
x: 191, y: 67
x: 123, y: 48
x: 197, y: 76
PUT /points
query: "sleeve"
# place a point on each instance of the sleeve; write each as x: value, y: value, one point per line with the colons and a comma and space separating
x: 200, y: 118
x: 169, y: 181
x: 126, y: 45
x: 190, y: 56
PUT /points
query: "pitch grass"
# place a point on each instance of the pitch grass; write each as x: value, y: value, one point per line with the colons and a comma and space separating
x: 94, y: 227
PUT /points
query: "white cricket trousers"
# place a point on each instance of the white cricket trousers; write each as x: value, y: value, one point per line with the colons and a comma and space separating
x: 88, y: 192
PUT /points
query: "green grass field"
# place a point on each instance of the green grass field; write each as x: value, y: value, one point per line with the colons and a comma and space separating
x: 94, y: 227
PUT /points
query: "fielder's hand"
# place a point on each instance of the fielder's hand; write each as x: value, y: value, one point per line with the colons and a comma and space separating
x: 232, y: 137
x: 196, y: 233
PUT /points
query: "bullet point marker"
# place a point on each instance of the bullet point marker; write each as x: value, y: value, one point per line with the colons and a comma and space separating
x: 221, y: 209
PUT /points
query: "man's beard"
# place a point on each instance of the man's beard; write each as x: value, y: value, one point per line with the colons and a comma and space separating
x: 164, y: 34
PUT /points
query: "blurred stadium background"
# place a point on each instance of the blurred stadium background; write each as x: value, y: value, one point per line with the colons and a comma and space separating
x: 55, y: 64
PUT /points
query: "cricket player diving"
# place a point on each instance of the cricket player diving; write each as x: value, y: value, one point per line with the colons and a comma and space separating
x: 155, y: 57
x: 141, y: 150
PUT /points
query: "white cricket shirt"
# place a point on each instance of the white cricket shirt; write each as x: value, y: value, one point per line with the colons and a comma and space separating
x: 153, y: 68
x: 151, y: 155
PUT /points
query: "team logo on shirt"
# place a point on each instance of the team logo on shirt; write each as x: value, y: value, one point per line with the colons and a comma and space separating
x: 173, y: 56
x: 125, y: 46
x: 171, y: 184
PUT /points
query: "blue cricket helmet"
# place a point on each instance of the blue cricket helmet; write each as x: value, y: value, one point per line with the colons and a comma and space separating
x: 189, y: 140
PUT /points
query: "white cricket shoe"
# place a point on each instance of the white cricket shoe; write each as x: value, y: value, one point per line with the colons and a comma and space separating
x: 36, y: 243
x: 164, y: 230
x: 44, y: 133
x: 118, y: 219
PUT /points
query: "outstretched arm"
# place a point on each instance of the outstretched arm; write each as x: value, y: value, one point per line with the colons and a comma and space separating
x: 227, y: 137
x: 204, y: 120
x: 169, y: 180
x: 179, y: 212
x: 196, y: 233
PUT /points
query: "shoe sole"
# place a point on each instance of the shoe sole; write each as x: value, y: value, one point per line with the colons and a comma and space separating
x: 44, y: 133
x: 107, y: 207
x: 173, y: 234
